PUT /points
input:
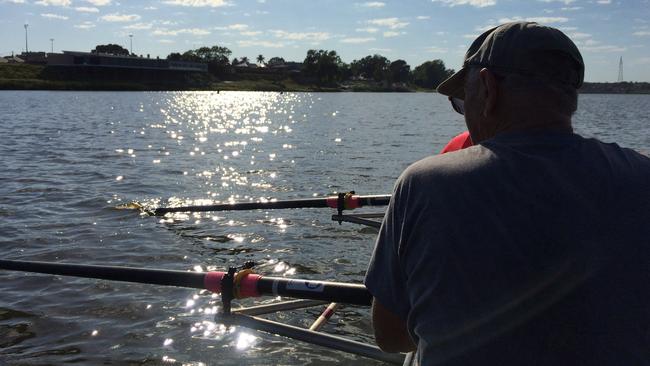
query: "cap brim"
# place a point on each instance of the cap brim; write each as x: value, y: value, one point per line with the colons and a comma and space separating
x: 454, y: 86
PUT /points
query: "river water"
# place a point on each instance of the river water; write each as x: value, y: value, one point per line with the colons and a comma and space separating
x: 70, y: 158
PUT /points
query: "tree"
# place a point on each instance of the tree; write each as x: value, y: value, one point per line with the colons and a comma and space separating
x: 323, y: 65
x: 111, y: 49
x: 275, y: 61
x: 175, y: 56
x: 431, y: 73
x: 243, y: 60
x: 399, y: 71
x: 371, y: 67
x: 260, y: 59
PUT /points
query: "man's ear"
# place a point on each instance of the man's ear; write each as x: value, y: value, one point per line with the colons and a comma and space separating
x: 490, y: 90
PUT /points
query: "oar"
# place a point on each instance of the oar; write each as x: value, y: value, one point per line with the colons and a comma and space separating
x: 342, y: 202
x: 245, y: 284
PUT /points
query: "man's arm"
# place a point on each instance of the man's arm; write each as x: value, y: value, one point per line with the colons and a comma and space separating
x: 390, y: 330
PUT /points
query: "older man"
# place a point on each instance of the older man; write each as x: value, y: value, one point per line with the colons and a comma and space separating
x: 530, y: 248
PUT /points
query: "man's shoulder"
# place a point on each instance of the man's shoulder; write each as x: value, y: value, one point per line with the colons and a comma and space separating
x: 453, y: 164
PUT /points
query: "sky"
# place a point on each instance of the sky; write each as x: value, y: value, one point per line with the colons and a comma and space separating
x: 413, y: 30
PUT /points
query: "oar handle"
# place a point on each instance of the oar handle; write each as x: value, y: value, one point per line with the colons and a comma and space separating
x: 246, y: 284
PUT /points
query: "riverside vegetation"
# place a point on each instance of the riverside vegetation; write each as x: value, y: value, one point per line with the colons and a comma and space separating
x: 321, y: 70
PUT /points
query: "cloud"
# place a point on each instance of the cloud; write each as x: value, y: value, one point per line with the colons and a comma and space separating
x: 641, y: 33
x: 641, y: 61
x: 175, y: 32
x: 604, y: 2
x: 198, y: 3
x: 239, y: 27
x: 566, y: 2
x: 368, y: 30
x: 86, y: 9
x: 392, y: 23
x: 301, y: 36
x: 579, y: 35
x: 604, y: 48
x: 253, y: 43
x: 373, y: 4
x: 99, y: 2
x: 116, y: 17
x: 571, y: 8
x: 435, y: 49
x: 389, y: 34
x: 15, y: 1
x: 139, y: 26
x: 54, y: 16
x: 54, y: 2
x: 543, y: 20
x: 250, y: 33
x: 474, y: 3
x: 380, y: 49
x: 357, y: 40
x: 422, y: 17
x: 85, y: 25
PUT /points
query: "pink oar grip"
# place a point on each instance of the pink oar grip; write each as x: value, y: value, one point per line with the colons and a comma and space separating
x: 350, y: 202
x: 332, y: 202
x: 248, y: 285
x: 212, y: 281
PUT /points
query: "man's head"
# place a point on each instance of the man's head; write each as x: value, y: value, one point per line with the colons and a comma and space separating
x: 517, y: 75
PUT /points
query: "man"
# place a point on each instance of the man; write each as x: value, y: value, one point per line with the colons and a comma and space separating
x: 531, y: 247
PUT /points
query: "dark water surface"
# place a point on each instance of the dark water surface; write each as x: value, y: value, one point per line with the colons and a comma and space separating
x: 69, y: 158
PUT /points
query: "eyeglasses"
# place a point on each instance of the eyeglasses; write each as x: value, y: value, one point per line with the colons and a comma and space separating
x: 457, y: 104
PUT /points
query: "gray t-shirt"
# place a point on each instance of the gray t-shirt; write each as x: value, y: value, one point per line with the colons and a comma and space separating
x: 528, y: 249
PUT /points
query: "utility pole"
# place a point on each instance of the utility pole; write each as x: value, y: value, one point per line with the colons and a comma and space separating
x: 131, y: 41
x: 620, y: 70
x: 26, y: 49
x: 52, y: 45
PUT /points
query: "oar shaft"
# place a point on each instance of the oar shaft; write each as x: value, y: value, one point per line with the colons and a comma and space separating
x: 112, y: 273
x: 248, y: 285
x: 350, y: 202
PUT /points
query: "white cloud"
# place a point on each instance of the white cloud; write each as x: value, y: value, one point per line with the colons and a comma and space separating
x: 175, y: 32
x: 301, y: 36
x: 86, y: 9
x: 139, y: 26
x: 571, y: 8
x: 198, y: 3
x: 166, y: 41
x: 604, y: 48
x: 373, y: 4
x: 85, y: 25
x: 641, y: 61
x: 543, y: 20
x: 252, y: 43
x: 368, y: 30
x: 436, y: 49
x: 116, y: 17
x: 380, y: 49
x: 99, y: 2
x: 566, y: 2
x: 54, y: 16
x: 392, y: 23
x: 357, y: 40
x: 579, y: 35
x: 239, y: 27
x: 54, y: 2
x: 250, y: 33
x: 474, y: 3
x: 389, y: 34
x: 15, y: 1
x: 422, y: 17
x: 642, y: 33
x: 604, y: 2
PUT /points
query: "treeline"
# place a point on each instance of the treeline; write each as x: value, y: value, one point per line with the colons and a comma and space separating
x: 325, y: 67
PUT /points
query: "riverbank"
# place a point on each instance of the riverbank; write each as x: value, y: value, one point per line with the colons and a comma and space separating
x: 34, y: 77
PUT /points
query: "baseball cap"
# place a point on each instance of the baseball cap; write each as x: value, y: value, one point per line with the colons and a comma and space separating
x: 525, y: 48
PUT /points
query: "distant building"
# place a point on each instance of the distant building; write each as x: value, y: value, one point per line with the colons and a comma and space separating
x: 14, y: 59
x: 38, y: 58
x: 80, y: 59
